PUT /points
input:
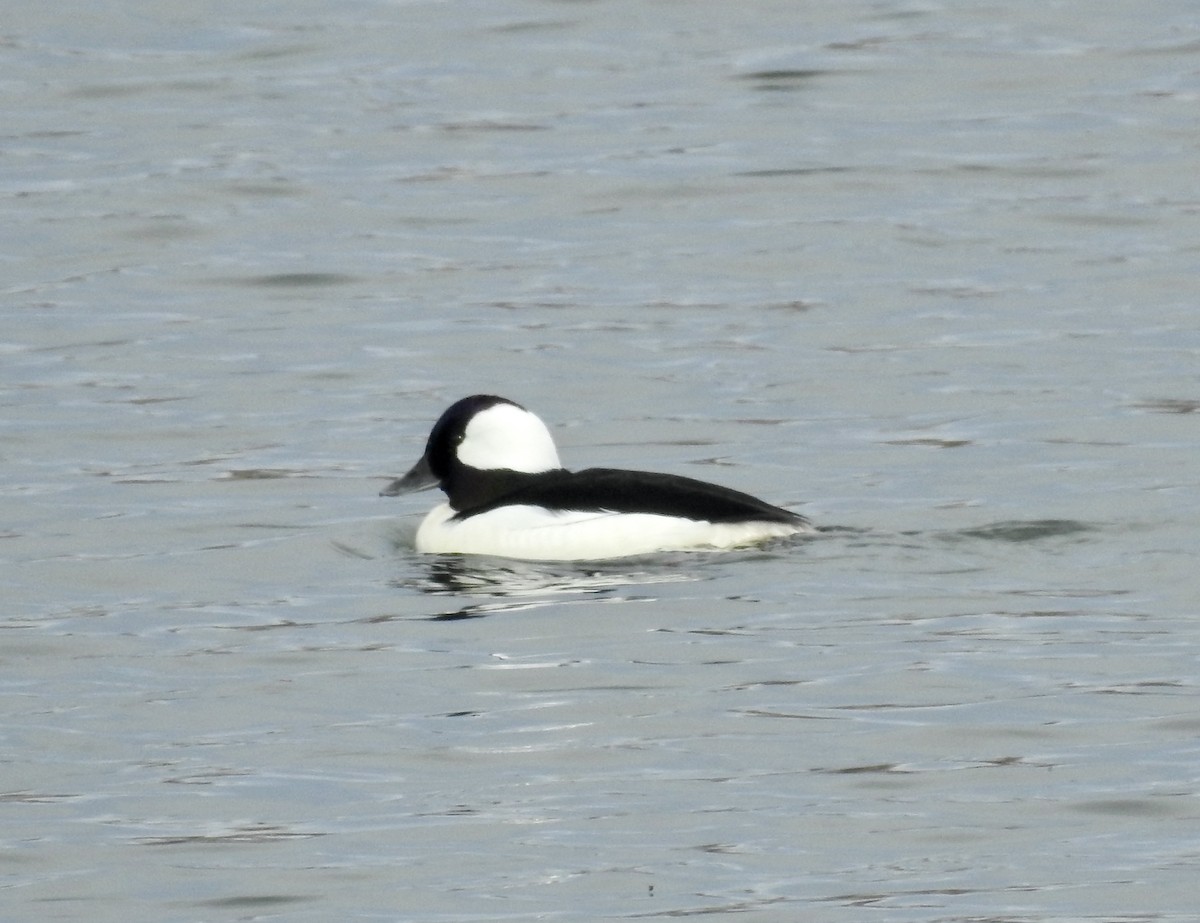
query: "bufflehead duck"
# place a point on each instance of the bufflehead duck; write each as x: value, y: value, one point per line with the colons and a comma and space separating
x: 509, y: 496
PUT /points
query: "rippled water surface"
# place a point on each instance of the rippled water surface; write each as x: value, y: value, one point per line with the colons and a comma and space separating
x: 922, y: 271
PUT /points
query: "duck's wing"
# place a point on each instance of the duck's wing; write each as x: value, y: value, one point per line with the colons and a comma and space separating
x: 616, y: 490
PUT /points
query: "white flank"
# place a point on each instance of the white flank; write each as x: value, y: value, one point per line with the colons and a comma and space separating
x: 532, y: 533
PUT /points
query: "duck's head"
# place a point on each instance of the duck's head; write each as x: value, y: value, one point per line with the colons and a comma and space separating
x: 482, y: 432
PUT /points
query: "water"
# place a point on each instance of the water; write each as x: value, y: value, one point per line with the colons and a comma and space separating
x: 923, y: 272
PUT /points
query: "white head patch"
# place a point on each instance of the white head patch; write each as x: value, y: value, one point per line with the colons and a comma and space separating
x: 505, y: 436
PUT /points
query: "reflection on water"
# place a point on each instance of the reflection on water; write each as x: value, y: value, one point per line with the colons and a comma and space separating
x: 512, y: 585
x: 479, y: 576
x: 529, y: 584
x: 536, y: 582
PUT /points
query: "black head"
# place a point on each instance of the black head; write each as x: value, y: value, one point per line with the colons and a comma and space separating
x: 450, y: 431
x: 478, y: 434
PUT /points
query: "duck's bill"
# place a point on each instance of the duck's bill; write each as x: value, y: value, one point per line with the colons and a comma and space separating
x: 419, y: 478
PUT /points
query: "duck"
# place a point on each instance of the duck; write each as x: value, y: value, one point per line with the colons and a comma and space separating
x: 508, y: 496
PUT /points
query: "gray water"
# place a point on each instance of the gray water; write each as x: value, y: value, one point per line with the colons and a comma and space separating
x: 926, y: 272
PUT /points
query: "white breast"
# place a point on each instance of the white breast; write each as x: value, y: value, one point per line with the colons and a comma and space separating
x: 534, y: 533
